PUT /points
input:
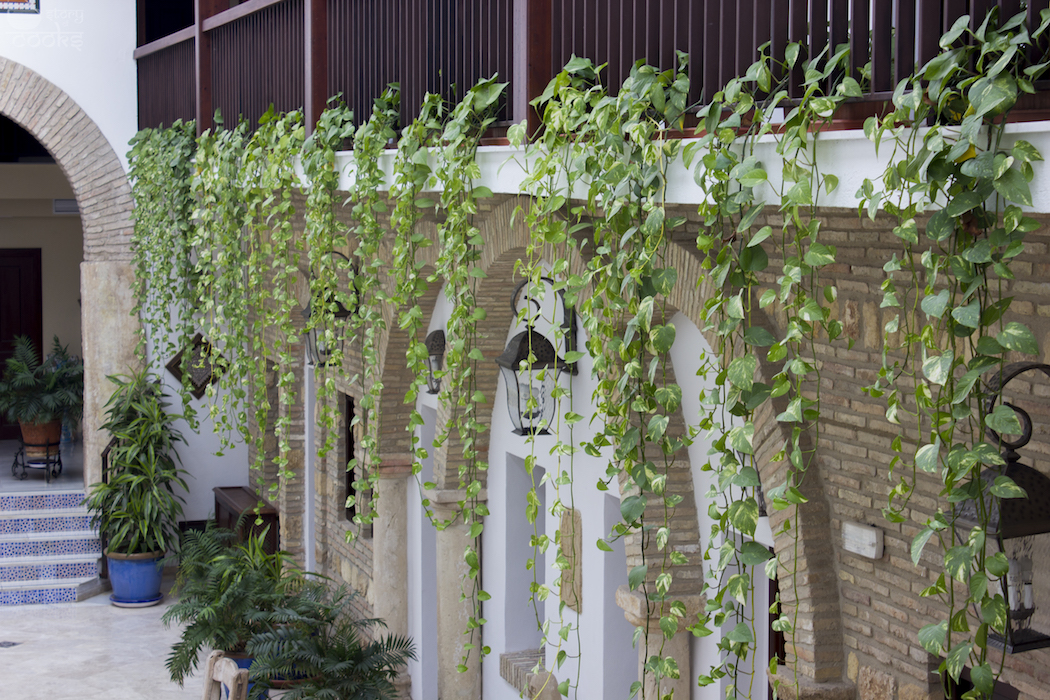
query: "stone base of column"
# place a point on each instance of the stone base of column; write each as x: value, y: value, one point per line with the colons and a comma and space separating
x: 635, y: 611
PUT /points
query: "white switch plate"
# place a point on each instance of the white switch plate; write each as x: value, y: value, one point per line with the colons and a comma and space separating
x: 863, y: 540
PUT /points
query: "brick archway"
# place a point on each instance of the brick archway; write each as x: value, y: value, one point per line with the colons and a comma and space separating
x: 104, y: 196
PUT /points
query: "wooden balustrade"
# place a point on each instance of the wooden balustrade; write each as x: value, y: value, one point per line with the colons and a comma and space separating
x: 296, y: 53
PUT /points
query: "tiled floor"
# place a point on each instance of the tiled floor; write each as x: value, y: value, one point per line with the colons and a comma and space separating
x: 88, y: 651
x: 71, y: 478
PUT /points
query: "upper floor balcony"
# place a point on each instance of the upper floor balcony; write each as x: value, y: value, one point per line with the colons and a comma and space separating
x: 239, y: 57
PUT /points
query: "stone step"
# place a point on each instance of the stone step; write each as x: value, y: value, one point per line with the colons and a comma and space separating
x: 48, y: 591
x: 43, y: 544
x: 41, y: 500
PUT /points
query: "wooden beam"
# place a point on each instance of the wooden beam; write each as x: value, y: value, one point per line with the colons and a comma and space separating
x: 316, y: 46
x: 232, y: 14
x: 532, y: 59
x: 153, y: 47
x: 204, y: 9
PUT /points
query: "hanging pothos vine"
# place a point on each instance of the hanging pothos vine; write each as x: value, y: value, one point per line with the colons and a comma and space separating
x: 949, y: 337
x: 603, y: 231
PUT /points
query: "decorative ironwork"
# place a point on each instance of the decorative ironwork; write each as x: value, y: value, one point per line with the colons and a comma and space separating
x: 204, y: 367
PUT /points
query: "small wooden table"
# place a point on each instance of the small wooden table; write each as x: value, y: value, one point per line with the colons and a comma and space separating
x: 233, y: 501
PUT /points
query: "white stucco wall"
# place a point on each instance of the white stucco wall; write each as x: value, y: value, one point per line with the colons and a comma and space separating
x: 85, y: 48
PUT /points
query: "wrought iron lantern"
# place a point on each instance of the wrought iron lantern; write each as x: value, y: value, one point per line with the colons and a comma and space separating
x: 318, y: 350
x: 1020, y: 527
x: 435, y: 343
x: 530, y: 367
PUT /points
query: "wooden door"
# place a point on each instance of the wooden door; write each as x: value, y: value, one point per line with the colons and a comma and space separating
x: 21, y: 308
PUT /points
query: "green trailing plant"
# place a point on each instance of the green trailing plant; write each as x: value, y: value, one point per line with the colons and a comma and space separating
x: 32, y: 391
x: 161, y: 168
x: 314, y: 647
x: 956, y: 189
x: 224, y: 587
x: 603, y: 230
x: 136, y: 507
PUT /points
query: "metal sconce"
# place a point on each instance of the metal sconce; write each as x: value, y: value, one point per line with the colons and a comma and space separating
x: 529, y: 385
x: 435, y: 343
x: 1020, y: 527
x: 317, y: 350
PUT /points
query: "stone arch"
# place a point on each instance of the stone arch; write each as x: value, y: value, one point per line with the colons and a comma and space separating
x: 818, y: 638
x: 104, y: 196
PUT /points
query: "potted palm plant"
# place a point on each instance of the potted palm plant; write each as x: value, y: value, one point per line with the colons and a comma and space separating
x: 136, y: 507
x: 41, y: 395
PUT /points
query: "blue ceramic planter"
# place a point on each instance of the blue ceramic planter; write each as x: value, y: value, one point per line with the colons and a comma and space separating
x: 135, y: 579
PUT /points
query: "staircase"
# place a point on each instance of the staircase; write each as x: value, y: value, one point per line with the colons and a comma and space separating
x: 48, y: 551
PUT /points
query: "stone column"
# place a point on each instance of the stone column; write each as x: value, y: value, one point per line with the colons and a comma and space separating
x: 390, y: 550
x: 109, y: 339
x: 635, y: 610
x: 454, y: 610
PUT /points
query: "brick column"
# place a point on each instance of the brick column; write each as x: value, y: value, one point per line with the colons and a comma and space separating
x: 454, y: 610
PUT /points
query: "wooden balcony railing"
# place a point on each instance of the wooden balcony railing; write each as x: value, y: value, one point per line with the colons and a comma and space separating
x: 297, y: 53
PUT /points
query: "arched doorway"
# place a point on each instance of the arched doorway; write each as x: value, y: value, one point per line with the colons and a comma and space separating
x: 103, y: 197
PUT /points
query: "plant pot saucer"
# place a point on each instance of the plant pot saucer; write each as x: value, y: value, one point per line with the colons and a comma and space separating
x: 136, y: 603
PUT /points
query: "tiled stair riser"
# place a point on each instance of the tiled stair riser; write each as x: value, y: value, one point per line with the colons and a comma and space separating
x: 59, y: 523
x: 50, y: 547
x: 32, y: 572
x: 47, y: 548
x: 40, y: 501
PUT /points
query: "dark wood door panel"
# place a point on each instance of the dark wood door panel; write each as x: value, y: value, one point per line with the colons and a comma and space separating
x: 21, y: 307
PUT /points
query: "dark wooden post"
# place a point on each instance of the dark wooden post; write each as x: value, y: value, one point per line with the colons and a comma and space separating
x: 203, y: 9
x: 316, y: 44
x: 532, y: 58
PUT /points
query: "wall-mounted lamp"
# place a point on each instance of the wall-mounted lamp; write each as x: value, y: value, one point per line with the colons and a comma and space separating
x: 1020, y: 527
x: 530, y: 384
x: 435, y: 343
x: 318, y: 350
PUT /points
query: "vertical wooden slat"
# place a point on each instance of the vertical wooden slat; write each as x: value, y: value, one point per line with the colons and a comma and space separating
x: 746, y: 23
x: 978, y: 11
x: 778, y: 32
x: 818, y: 29
x: 711, y: 44
x: 316, y: 60
x: 797, y: 32
x: 203, y: 9
x: 727, y: 56
x: 904, y: 40
x: 532, y: 57
x: 953, y: 10
x: 928, y: 30
x: 858, y: 36
x: 881, y: 45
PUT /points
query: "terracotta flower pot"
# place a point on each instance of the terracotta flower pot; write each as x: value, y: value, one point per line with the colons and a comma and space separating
x: 44, y: 435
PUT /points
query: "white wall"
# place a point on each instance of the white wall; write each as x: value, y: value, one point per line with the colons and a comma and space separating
x: 85, y: 48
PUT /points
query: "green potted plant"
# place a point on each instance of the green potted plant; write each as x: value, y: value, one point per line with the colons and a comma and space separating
x: 222, y: 587
x: 312, y: 646
x: 136, y: 507
x: 41, y: 395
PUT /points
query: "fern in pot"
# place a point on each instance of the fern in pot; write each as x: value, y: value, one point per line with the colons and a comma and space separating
x: 40, y: 396
x: 136, y: 507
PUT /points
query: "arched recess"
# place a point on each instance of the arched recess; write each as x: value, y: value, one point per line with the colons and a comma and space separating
x: 104, y: 197
x: 814, y: 596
